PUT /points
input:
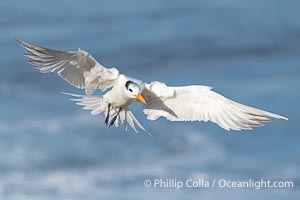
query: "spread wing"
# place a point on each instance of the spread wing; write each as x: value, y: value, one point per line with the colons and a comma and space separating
x: 98, y: 106
x: 200, y: 103
x: 78, y: 68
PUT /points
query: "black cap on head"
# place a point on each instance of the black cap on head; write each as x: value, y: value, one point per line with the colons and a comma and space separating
x: 127, y: 84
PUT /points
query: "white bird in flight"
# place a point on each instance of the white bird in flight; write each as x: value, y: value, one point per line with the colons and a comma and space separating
x: 185, y: 103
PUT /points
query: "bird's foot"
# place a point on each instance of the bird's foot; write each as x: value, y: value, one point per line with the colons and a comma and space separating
x: 115, y: 117
x: 113, y: 120
x: 106, y: 120
x: 107, y: 116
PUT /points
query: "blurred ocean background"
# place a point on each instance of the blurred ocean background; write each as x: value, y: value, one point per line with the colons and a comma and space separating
x: 248, y: 51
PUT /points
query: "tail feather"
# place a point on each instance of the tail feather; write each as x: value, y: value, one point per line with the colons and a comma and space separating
x: 98, y: 106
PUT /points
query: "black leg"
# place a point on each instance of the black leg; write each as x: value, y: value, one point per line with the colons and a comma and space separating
x: 107, y: 116
x: 115, y: 117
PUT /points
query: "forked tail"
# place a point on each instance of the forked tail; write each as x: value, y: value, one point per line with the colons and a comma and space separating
x: 98, y: 106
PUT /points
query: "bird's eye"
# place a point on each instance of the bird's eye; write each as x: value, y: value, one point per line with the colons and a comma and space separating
x: 130, y: 90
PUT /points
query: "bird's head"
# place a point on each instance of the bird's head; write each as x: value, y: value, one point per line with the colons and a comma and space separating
x: 133, y: 91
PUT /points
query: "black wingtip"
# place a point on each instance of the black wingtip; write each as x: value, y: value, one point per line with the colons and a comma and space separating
x: 24, y: 43
x: 20, y: 40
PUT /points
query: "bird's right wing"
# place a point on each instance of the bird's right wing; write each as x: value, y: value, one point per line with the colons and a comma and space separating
x: 200, y: 103
x: 97, y: 106
x: 78, y: 68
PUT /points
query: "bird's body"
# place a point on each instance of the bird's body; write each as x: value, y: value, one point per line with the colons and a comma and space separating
x: 116, y: 96
x: 185, y: 103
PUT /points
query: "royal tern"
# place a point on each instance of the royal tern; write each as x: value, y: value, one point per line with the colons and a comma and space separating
x: 186, y: 103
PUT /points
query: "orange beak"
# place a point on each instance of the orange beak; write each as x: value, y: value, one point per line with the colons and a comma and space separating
x: 140, y: 98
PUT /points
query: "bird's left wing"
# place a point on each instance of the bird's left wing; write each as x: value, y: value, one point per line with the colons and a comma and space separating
x: 200, y: 103
x: 78, y: 68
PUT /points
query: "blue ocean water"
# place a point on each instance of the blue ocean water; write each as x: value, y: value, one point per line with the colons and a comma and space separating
x: 247, y: 50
